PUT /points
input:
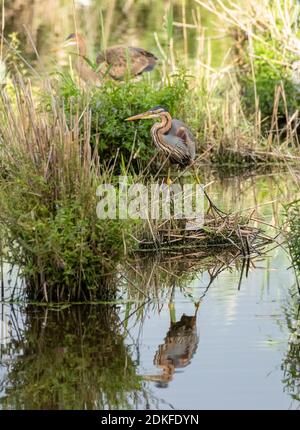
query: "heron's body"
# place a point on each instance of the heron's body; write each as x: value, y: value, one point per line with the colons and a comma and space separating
x: 119, y: 59
x: 171, y: 136
x: 116, y: 61
x: 174, y: 139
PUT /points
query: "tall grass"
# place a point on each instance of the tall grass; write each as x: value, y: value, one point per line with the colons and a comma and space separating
x: 266, y: 55
x: 293, y: 234
x: 243, y: 111
x: 48, y: 199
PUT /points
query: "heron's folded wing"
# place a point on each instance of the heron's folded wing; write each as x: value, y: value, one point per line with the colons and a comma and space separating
x: 119, y: 58
x: 177, y: 149
x: 116, y: 60
x: 182, y: 133
x: 142, y: 61
x: 187, y: 137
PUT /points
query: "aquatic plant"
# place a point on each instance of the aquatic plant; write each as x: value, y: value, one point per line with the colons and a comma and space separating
x: 293, y: 233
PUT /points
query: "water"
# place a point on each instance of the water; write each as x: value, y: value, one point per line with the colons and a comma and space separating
x: 238, y: 356
x: 227, y: 355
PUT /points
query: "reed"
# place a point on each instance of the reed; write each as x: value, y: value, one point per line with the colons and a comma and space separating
x: 48, y: 199
x: 243, y: 111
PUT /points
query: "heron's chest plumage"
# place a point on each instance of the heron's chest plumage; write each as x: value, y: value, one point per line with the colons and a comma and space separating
x: 171, y: 145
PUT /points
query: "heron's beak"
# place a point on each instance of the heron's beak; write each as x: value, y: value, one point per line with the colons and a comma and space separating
x: 145, y: 115
x: 64, y: 45
x: 71, y: 42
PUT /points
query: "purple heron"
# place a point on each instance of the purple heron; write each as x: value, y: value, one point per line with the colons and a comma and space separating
x: 172, y: 137
x: 117, y: 60
x: 175, y: 140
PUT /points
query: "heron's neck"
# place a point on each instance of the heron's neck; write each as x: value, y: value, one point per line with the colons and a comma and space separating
x: 81, y: 47
x: 165, y: 124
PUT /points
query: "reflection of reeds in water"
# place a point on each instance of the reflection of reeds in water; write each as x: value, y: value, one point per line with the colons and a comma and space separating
x: 152, y: 280
x: 261, y: 191
x: 291, y: 361
x: 73, y: 358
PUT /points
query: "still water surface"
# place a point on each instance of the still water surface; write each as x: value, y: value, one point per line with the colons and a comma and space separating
x: 228, y: 354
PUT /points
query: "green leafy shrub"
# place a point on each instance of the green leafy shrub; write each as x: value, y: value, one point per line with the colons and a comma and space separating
x: 270, y: 70
x: 113, y: 102
x: 293, y: 236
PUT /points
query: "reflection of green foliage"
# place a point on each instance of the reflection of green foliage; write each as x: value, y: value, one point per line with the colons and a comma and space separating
x: 291, y: 362
x: 293, y: 218
x: 71, y: 359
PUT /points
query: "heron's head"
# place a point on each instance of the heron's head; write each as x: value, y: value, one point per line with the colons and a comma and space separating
x: 155, y: 112
x: 74, y: 39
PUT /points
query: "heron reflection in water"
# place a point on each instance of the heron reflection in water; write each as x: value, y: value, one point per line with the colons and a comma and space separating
x: 178, y: 349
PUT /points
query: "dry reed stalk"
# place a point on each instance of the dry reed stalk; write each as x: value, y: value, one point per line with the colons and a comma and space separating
x: 216, y: 231
x: 2, y: 29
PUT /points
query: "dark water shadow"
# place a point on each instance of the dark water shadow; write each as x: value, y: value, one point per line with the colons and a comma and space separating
x: 73, y: 358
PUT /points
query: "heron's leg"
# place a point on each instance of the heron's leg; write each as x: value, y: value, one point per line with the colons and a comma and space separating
x: 196, y: 175
x: 169, y: 180
x: 172, y: 307
x: 197, y: 306
x: 211, y: 204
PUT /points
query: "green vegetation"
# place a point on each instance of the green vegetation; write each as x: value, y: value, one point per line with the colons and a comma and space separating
x: 112, y: 103
x: 266, y: 55
x: 48, y: 202
x: 271, y: 81
x: 293, y: 234
x: 291, y: 362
